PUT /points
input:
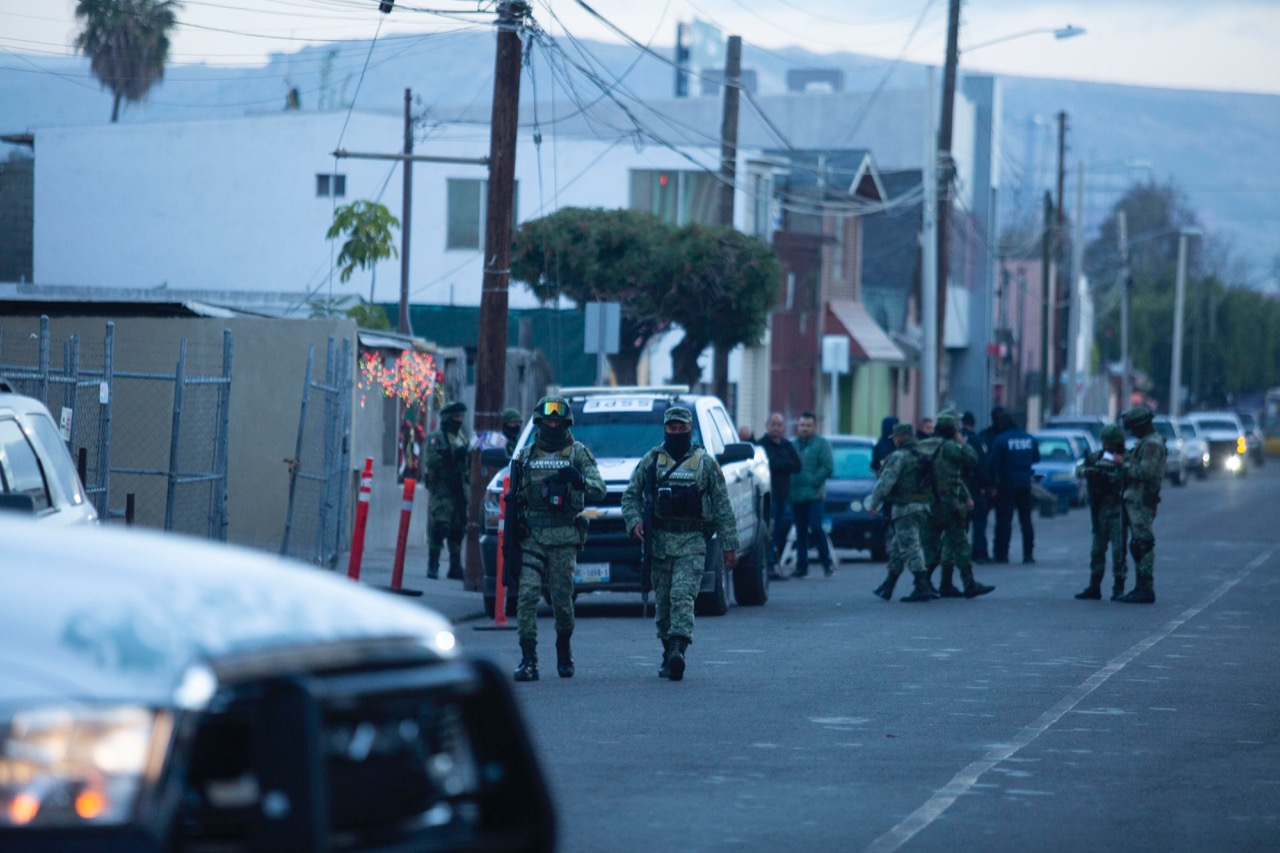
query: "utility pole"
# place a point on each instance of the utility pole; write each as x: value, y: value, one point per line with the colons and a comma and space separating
x: 1126, y: 285
x: 404, y: 326
x: 1180, y: 289
x: 728, y: 175
x: 491, y: 349
x: 1046, y: 326
x: 1059, y: 301
x: 928, y: 263
x: 946, y: 173
x: 1075, y: 297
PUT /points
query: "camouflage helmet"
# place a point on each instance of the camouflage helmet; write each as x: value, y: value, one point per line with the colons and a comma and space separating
x: 1112, y: 434
x: 509, y: 414
x: 553, y: 406
x: 678, y: 413
x: 947, y: 416
x: 903, y: 429
x: 1137, y: 416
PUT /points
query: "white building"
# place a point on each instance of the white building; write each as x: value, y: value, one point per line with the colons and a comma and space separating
x: 238, y: 208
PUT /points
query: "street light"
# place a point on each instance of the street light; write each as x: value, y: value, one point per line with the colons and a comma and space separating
x: 1175, y: 372
x: 1059, y: 33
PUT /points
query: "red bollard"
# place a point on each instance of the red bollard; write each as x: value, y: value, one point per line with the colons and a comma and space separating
x: 362, y: 518
x: 402, y: 538
x: 500, y: 590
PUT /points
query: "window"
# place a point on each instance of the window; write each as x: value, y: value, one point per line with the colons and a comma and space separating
x: 331, y: 186
x: 19, y: 468
x: 675, y: 196
x: 466, y: 199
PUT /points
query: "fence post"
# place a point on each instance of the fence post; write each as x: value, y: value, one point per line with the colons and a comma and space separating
x: 179, y: 383
x: 218, y: 515
x: 105, y: 393
x: 344, y: 455
x: 42, y: 383
x: 297, y: 452
x: 72, y: 368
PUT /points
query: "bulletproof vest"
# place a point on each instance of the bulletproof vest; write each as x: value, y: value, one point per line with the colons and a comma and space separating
x: 543, y: 491
x: 1105, y: 481
x: 678, y: 494
x: 910, y: 488
x: 949, y: 469
x: 1148, y: 446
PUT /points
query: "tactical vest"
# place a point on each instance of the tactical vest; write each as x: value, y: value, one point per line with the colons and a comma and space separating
x: 678, y: 494
x: 1105, y: 481
x: 545, y: 494
x: 909, y: 489
x: 949, y: 470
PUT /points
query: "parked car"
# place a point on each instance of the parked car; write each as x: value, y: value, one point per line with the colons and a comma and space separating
x: 1175, y: 459
x: 1255, y: 442
x: 847, y: 522
x: 1194, y: 448
x: 1056, y: 470
x: 620, y: 425
x: 1093, y: 424
x: 163, y: 693
x: 1227, y: 443
x: 37, y: 475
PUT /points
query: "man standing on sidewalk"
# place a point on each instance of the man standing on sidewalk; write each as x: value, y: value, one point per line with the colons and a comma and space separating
x: 783, y: 462
x: 808, y: 488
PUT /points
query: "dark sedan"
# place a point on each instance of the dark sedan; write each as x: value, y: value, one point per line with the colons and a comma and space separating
x: 161, y: 693
x: 845, y: 517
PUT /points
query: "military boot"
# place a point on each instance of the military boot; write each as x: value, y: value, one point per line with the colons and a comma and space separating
x: 564, y: 655
x: 1143, y: 593
x: 1093, y: 592
x: 885, y: 590
x: 948, y: 588
x: 433, y: 565
x: 664, y: 671
x: 973, y: 589
x: 922, y: 591
x: 528, y: 669
x: 455, y: 566
x: 1117, y: 588
x: 675, y: 660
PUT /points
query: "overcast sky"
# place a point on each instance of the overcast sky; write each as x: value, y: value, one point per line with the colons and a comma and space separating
x: 1203, y: 44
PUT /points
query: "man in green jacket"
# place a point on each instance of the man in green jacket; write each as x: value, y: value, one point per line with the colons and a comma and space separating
x: 808, y: 488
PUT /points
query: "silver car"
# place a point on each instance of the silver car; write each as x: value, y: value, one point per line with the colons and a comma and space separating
x: 37, y: 475
x: 1194, y: 448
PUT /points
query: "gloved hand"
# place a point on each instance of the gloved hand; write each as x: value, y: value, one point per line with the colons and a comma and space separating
x: 572, y: 476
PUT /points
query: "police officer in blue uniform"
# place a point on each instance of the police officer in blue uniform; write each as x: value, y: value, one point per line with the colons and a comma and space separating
x: 1009, y: 472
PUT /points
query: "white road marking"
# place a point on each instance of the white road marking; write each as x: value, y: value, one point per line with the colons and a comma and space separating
x: 968, y: 778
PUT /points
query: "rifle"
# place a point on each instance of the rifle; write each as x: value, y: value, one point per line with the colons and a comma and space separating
x: 514, y: 520
x: 646, y: 544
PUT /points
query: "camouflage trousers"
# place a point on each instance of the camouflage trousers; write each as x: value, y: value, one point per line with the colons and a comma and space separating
x: 1142, y: 538
x: 679, y: 560
x: 557, y: 564
x: 905, y: 550
x: 945, y: 539
x: 448, y: 525
x: 1108, y: 531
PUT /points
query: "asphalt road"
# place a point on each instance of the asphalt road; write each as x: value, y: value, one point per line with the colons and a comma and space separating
x: 1025, y: 720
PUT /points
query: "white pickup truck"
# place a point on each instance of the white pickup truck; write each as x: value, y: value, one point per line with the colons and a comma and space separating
x: 620, y: 425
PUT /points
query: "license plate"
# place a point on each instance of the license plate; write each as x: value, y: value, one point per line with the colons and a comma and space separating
x: 591, y: 573
x: 826, y: 525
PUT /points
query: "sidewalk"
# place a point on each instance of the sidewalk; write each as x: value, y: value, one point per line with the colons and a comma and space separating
x: 444, y: 596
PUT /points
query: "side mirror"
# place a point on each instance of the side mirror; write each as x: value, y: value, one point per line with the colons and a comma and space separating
x: 17, y: 502
x: 739, y: 451
x: 494, y: 457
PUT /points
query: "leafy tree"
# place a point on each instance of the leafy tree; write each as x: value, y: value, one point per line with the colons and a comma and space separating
x: 367, y: 226
x: 723, y: 285
x: 127, y: 42
x: 599, y: 255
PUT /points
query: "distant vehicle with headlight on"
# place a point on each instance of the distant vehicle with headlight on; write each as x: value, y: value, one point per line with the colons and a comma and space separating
x: 163, y: 693
x: 1227, y: 442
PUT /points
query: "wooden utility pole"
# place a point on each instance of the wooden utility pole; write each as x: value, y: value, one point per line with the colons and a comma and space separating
x: 404, y: 326
x: 728, y: 175
x: 945, y: 168
x: 1046, y: 306
x: 1059, y: 290
x: 491, y: 349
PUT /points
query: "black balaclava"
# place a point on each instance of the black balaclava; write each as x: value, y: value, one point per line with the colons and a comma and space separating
x: 552, y: 439
x: 677, y: 443
x: 450, y: 426
x: 511, y: 431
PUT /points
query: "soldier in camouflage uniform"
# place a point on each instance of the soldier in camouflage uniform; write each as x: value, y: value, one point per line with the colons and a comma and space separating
x: 900, y: 486
x: 1103, y: 470
x: 946, y: 534
x: 558, y: 476
x: 512, y: 424
x: 1144, y: 473
x: 448, y: 484
x: 692, y: 503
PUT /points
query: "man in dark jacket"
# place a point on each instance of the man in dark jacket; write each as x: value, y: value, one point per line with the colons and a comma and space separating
x: 977, y: 483
x: 783, y: 462
x: 1009, y: 471
x: 885, y: 445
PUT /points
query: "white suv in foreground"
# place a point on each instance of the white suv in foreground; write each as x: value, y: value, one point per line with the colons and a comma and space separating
x: 36, y: 472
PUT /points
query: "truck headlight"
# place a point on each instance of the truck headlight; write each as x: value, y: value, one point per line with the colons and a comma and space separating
x: 70, y: 766
x: 856, y: 505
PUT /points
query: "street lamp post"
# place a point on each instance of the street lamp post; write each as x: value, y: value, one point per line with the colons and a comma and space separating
x: 1175, y: 371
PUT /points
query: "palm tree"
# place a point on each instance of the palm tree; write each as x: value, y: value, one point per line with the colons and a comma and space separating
x: 127, y: 42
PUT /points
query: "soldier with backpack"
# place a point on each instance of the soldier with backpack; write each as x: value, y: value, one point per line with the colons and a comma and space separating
x: 946, y: 535
x: 900, y: 485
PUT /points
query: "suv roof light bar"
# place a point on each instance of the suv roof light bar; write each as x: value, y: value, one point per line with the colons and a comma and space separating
x: 593, y: 390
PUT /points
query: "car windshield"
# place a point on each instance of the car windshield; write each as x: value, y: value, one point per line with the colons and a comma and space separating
x: 851, y: 461
x: 1165, y: 429
x: 1090, y: 426
x: 621, y: 429
x: 1189, y: 428
x: 1227, y: 426
x: 1055, y: 448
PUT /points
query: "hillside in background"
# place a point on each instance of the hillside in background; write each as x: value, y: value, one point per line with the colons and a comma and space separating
x: 1217, y: 147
